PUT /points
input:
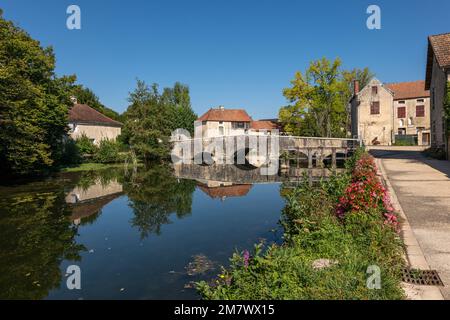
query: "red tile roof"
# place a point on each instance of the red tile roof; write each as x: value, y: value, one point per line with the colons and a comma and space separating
x: 82, y: 113
x: 408, y: 90
x: 237, y: 190
x: 233, y: 115
x: 264, y: 125
x: 439, y: 47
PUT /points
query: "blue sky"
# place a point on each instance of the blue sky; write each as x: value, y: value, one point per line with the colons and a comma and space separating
x: 236, y: 53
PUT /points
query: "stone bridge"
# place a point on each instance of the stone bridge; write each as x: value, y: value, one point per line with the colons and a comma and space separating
x: 260, y: 150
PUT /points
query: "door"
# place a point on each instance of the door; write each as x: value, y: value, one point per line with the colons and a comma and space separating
x: 426, y: 138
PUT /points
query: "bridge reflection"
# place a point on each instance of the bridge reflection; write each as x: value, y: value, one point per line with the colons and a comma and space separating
x: 216, y: 180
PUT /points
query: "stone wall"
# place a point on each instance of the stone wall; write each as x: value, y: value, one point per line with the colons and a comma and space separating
x: 95, y: 132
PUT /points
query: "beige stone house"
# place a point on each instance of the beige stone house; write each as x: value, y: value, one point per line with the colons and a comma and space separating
x: 437, y: 77
x: 225, y: 122
x: 411, y: 111
x: 231, y: 122
x: 381, y: 113
x: 371, y: 113
x: 95, y: 125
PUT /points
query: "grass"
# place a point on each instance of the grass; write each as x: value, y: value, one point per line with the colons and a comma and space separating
x: 91, y: 166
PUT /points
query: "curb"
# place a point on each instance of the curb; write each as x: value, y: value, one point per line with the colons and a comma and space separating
x: 414, y: 254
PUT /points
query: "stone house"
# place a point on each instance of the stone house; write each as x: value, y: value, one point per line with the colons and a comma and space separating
x: 381, y: 113
x: 437, y: 78
x: 225, y: 122
x: 411, y: 111
x: 232, y: 122
x: 95, y: 125
x: 371, y: 113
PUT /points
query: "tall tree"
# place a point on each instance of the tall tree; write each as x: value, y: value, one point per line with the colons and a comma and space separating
x: 148, y: 122
x: 151, y: 118
x: 319, y: 99
x: 179, y: 100
x: 33, y: 103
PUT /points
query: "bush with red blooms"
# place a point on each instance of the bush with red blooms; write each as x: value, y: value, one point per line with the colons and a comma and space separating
x: 366, y: 191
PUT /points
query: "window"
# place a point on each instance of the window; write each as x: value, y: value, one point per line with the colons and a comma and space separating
x: 401, y: 132
x: 401, y: 102
x: 375, y: 107
x: 374, y: 90
x: 401, y: 112
x: 420, y: 100
x: 238, y: 125
x: 221, y: 131
x: 401, y: 123
x: 420, y: 111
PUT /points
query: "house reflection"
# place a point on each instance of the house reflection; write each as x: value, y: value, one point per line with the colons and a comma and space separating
x: 222, y: 190
x: 86, y: 201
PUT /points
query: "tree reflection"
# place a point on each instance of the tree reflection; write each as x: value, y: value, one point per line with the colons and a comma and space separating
x: 154, y: 193
x: 36, y: 235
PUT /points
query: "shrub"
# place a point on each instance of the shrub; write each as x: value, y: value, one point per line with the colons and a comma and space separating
x: 70, y: 153
x: 85, y: 145
x: 107, y: 152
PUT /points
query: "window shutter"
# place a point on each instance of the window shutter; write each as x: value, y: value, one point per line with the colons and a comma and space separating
x: 420, y: 111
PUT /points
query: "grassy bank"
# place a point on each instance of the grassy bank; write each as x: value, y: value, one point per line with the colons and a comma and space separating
x: 336, y: 235
x: 92, y: 166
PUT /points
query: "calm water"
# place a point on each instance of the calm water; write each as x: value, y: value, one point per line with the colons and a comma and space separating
x: 145, y: 234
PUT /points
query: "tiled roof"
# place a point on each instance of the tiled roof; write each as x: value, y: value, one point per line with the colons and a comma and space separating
x: 408, y: 90
x: 237, y: 190
x: 234, y: 115
x: 85, y: 114
x: 438, y: 46
x: 264, y: 125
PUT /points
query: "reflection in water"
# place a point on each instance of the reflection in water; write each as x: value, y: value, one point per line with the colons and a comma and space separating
x: 47, y: 225
x: 154, y: 194
x: 35, y: 237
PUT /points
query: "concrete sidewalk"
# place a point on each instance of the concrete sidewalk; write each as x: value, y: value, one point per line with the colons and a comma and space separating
x: 422, y: 187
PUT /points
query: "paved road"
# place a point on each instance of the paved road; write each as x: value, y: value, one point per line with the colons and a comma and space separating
x: 422, y: 186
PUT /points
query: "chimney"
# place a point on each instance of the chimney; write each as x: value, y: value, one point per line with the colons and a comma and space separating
x: 356, y: 87
x: 73, y: 99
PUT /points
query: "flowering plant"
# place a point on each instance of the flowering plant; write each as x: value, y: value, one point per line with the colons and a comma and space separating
x: 366, y: 191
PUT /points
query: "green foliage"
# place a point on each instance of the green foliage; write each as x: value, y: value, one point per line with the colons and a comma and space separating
x: 71, y: 153
x: 320, y: 98
x: 33, y: 104
x: 85, y: 145
x: 151, y: 118
x: 107, y: 152
x: 447, y: 105
x: 87, y: 96
x: 314, y: 233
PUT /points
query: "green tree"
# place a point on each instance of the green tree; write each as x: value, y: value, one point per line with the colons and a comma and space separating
x: 178, y: 99
x: 151, y: 118
x: 33, y: 104
x: 148, y: 123
x: 319, y: 99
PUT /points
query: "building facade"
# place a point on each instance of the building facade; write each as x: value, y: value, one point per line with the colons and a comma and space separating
x: 371, y: 113
x: 411, y: 112
x: 225, y: 122
x: 385, y: 113
x: 84, y: 120
x: 437, y: 79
